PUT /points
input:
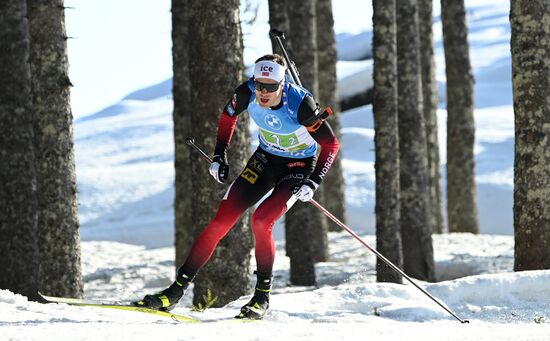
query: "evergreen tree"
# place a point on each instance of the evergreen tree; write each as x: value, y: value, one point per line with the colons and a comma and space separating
x: 461, y: 188
x: 18, y: 205
x: 59, y: 269
x: 429, y: 104
x: 416, y: 228
x: 388, y: 237
x: 333, y: 186
x: 184, y: 157
x: 213, y: 66
x: 531, y: 87
x: 278, y: 19
x: 305, y: 226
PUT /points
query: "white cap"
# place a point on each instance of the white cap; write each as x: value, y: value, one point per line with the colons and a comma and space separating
x: 270, y: 70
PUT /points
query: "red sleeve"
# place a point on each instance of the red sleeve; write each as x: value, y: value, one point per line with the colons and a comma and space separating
x: 226, y: 127
x: 330, y: 146
x: 228, y: 119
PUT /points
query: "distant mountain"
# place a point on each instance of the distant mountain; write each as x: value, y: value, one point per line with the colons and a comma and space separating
x: 162, y: 89
x: 354, y: 47
x: 159, y: 90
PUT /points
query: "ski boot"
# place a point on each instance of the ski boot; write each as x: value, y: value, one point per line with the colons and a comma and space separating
x: 256, y: 308
x: 168, y: 298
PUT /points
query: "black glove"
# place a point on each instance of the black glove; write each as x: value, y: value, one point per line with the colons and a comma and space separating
x: 219, y: 169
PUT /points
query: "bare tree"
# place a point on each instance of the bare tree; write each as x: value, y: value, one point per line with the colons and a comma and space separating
x: 430, y: 100
x: 388, y: 233
x: 531, y: 87
x: 58, y: 233
x: 18, y: 205
x: 461, y: 187
x: 211, y: 61
x: 333, y: 186
x: 416, y: 228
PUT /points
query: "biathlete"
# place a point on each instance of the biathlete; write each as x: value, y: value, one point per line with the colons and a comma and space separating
x: 291, y: 129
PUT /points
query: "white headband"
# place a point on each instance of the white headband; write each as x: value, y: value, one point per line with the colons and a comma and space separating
x: 269, y: 69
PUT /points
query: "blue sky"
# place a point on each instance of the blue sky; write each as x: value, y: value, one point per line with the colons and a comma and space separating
x: 119, y: 46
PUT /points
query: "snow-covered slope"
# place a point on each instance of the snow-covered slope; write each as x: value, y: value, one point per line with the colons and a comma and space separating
x: 347, y: 304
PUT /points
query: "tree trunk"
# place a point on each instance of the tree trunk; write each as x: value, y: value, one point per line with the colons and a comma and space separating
x: 416, y: 228
x: 215, y: 57
x: 531, y: 86
x: 430, y: 100
x: 184, y: 156
x: 388, y: 237
x: 58, y: 226
x: 18, y: 206
x: 304, y: 223
x: 333, y: 186
x: 461, y: 187
x: 303, y: 48
x: 278, y: 19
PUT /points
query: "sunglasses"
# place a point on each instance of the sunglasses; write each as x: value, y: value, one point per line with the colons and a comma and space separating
x: 259, y: 86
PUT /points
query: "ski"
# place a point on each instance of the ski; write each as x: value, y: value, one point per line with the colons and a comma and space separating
x: 118, y: 306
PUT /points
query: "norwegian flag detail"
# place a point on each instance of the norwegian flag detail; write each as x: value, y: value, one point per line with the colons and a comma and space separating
x: 265, y: 73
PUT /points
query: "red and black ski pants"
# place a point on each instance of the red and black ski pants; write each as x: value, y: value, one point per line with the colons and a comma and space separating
x: 263, y: 172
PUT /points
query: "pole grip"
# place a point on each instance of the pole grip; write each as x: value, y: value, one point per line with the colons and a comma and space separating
x: 191, y: 142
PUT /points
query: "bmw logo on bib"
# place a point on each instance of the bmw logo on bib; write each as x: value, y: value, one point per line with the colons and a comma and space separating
x: 273, y: 122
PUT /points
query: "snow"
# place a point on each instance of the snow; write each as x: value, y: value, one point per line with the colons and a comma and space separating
x: 125, y: 178
x: 346, y: 304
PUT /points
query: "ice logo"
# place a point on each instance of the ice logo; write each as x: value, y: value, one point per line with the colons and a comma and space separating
x: 273, y: 122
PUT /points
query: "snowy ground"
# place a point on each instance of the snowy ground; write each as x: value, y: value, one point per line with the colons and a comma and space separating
x: 125, y: 178
x: 346, y: 304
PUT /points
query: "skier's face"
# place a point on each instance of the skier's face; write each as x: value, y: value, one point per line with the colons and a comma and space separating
x: 266, y: 98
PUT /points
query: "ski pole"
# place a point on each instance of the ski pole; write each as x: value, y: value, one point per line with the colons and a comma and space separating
x: 279, y: 36
x: 382, y: 258
x: 191, y: 142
